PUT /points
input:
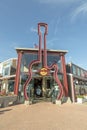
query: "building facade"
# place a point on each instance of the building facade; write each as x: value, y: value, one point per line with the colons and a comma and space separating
x: 39, y: 70
x: 7, y: 75
x: 77, y: 80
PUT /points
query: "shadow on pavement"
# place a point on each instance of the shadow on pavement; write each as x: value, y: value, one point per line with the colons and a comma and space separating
x: 3, y: 111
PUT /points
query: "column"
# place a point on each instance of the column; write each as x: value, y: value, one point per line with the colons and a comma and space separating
x: 17, y: 73
x: 64, y: 74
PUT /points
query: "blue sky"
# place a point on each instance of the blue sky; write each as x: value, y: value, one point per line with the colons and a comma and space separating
x: 67, y: 27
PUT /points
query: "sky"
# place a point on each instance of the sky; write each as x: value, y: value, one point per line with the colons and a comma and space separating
x: 67, y: 27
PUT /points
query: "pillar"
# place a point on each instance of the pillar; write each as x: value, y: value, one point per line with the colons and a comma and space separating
x: 18, y: 73
x: 64, y: 74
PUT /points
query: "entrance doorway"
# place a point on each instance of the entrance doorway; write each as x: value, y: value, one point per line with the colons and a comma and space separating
x: 42, y: 87
x: 38, y: 87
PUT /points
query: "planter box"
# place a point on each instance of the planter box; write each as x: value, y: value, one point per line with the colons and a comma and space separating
x: 81, y: 100
x: 5, y: 100
x: 85, y: 97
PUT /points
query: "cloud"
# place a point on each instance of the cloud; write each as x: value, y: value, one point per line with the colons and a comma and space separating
x: 50, y: 43
x: 33, y: 30
x: 82, y: 9
x: 36, y: 30
x: 69, y: 58
x: 13, y: 44
x: 56, y: 26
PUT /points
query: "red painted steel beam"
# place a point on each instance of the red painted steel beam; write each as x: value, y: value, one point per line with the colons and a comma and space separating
x: 17, y: 78
x: 39, y: 59
x: 65, y: 76
x: 40, y: 34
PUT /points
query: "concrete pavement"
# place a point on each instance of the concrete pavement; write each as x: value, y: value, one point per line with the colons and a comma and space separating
x: 44, y: 116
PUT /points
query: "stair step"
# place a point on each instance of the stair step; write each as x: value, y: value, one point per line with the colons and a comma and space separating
x: 42, y: 99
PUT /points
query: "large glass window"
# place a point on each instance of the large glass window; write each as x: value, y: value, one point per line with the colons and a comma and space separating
x: 60, y: 76
x: 26, y: 60
x: 12, y: 71
x: 23, y: 77
x: 11, y: 86
x: 6, y: 71
x: 74, y: 71
x: 82, y: 73
x: 78, y: 71
x: 51, y: 59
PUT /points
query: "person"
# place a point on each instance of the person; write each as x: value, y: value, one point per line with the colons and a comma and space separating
x: 38, y: 90
x: 55, y: 91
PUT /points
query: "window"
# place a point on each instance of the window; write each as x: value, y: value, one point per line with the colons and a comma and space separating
x: 51, y: 59
x: 13, y: 70
x: 6, y: 71
x: 82, y: 73
x: 11, y: 86
x: 78, y: 71
x: 74, y: 69
x: 26, y: 60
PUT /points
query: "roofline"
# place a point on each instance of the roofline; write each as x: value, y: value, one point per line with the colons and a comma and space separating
x: 36, y: 49
x: 71, y: 63
x: 8, y: 60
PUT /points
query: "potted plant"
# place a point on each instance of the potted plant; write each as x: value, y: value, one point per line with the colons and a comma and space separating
x: 80, y: 98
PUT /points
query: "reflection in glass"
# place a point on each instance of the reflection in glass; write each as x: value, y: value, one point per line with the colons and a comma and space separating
x: 51, y: 59
x: 74, y: 69
x: 26, y: 60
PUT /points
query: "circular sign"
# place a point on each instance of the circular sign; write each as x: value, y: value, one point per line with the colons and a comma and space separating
x: 43, y: 71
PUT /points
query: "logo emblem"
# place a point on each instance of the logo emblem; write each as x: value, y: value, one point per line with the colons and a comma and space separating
x: 43, y: 71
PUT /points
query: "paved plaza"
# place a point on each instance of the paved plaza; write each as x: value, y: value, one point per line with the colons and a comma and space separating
x: 44, y: 116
